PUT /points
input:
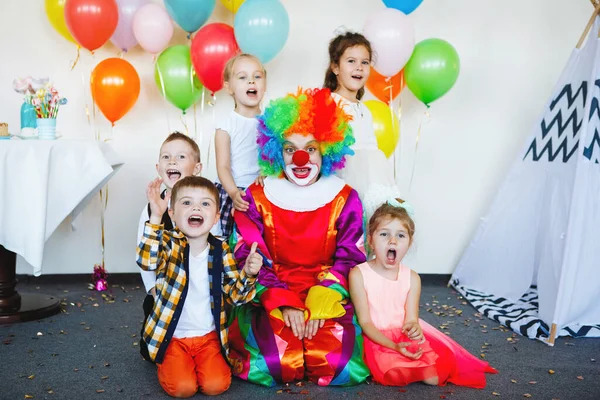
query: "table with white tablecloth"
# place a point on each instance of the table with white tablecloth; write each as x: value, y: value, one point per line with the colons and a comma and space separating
x: 41, y: 184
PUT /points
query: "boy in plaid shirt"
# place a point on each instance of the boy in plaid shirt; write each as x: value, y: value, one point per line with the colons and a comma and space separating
x: 186, y: 333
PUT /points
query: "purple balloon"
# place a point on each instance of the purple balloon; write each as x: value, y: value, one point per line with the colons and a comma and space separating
x: 123, y: 37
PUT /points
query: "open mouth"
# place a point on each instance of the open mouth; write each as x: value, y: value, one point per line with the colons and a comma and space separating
x: 195, y: 221
x: 391, y: 256
x: 251, y: 92
x: 357, y: 77
x: 173, y: 174
x: 301, y: 173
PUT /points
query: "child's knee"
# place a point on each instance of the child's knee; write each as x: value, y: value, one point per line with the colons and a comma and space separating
x: 434, y: 381
x: 181, y: 388
x: 216, y: 384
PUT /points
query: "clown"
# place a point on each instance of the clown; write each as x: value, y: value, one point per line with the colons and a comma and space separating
x: 308, y: 225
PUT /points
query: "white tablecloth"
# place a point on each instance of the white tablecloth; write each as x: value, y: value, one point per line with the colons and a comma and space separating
x: 43, y: 182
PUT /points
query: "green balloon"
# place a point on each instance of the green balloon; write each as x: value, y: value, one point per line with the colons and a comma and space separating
x: 176, y: 78
x: 432, y: 69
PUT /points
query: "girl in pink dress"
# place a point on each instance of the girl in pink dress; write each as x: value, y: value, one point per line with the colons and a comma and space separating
x: 399, y: 347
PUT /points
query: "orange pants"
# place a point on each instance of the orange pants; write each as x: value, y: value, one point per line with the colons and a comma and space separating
x: 194, y: 363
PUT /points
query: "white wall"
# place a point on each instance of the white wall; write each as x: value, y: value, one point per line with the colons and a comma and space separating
x: 512, y: 52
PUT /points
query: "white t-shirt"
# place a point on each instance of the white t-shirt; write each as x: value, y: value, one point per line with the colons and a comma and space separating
x: 244, y: 149
x: 362, y: 123
x: 196, y: 318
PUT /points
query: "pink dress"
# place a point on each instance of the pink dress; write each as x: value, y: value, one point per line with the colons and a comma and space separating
x: 442, y: 356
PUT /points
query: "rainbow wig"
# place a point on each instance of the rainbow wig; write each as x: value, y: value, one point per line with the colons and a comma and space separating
x: 310, y: 111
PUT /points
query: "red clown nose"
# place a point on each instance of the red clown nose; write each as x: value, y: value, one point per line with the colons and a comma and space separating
x: 300, y: 158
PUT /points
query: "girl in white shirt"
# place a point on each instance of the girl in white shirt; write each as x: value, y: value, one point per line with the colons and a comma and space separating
x: 368, y: 170
x: 245, y: 78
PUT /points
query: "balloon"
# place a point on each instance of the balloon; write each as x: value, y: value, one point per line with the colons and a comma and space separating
x: 212, y: 46
x: 115, y: 87
x: 232, y: 5
x: 386, y: 126
x: 380, y: 86
x: 406, y: 6
x: 392, y: 38
x: 432, y: 70
x: 190, y: 14
x: 153, y: 28
x: 261, y: 28
x: 91, y: 22
x: 175, y: 78
x: 55, y: 10
x: 123, y: 37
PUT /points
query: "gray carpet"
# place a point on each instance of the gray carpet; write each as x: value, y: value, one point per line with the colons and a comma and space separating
x: 90, y: 351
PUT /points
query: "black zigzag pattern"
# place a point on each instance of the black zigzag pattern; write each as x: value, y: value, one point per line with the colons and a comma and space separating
x: 522, y: 315
x: 574, y: 122
x: 594, y: 144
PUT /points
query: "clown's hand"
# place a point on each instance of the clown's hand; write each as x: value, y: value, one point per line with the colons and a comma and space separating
x: 254, y: 262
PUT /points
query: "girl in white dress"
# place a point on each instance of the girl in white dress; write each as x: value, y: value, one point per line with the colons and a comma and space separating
x: 368, y: 170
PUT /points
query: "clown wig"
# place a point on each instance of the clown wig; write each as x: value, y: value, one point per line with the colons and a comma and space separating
x: 310, y: 111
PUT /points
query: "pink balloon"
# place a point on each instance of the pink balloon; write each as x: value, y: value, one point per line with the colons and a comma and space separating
x: 153, y: 28
x: 392, y: 38
x: 123, y: 37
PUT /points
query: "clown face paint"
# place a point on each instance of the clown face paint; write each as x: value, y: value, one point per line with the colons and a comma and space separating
x: 302, y: 159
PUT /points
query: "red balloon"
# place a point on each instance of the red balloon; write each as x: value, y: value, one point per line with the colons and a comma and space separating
x: 380, y: 85
x: 212, y: 46
x: 91, y: 22
x: 115, y: 87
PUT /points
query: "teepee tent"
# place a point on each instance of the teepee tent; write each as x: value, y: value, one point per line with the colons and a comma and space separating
x: 534, y: 262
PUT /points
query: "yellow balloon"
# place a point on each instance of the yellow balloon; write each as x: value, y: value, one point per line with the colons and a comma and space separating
x: 386, y: 126
x: 232, y: 5
x: 55, y: 9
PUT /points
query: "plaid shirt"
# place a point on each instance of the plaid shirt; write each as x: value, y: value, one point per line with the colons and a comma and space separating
x: 167, y: 252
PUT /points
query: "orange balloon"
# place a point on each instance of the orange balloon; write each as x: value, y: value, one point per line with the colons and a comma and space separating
x: 379, y: 85
x: 115, y: 87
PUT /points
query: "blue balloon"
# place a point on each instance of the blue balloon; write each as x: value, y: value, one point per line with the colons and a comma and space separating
x: 406, y: 6
x: 190, y: 14
x: 261, y: 28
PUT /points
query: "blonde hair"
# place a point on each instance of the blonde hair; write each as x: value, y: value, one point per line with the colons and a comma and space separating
x: 389, y: 211
x: 229, y: 66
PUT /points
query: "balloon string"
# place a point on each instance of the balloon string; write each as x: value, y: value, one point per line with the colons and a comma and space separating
x: 162, y: 90
x: 94, y: 111
x: 212, y: 104
x: 426, y: 114
x: 103, y: 205
x: 87, y: 109
x: 202, y: 113
x: 195, y: 125
x: 74, y: 62
x: 393, y: 120
x: 184, y: 122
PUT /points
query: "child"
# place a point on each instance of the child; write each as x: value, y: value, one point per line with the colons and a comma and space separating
x: 179, y: 157
x: 399, y: 347
x: 235, y: 138
x: 368, y: 171
x: 185, y: 333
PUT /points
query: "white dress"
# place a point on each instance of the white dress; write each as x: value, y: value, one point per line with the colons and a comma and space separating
x: 368, y: 170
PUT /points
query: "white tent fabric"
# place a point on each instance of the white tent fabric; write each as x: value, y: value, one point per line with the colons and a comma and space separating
x: 535, y: 258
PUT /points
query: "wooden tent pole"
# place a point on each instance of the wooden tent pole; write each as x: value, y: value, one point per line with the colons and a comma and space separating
x: 588, y: 26
x: 552, y: 337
